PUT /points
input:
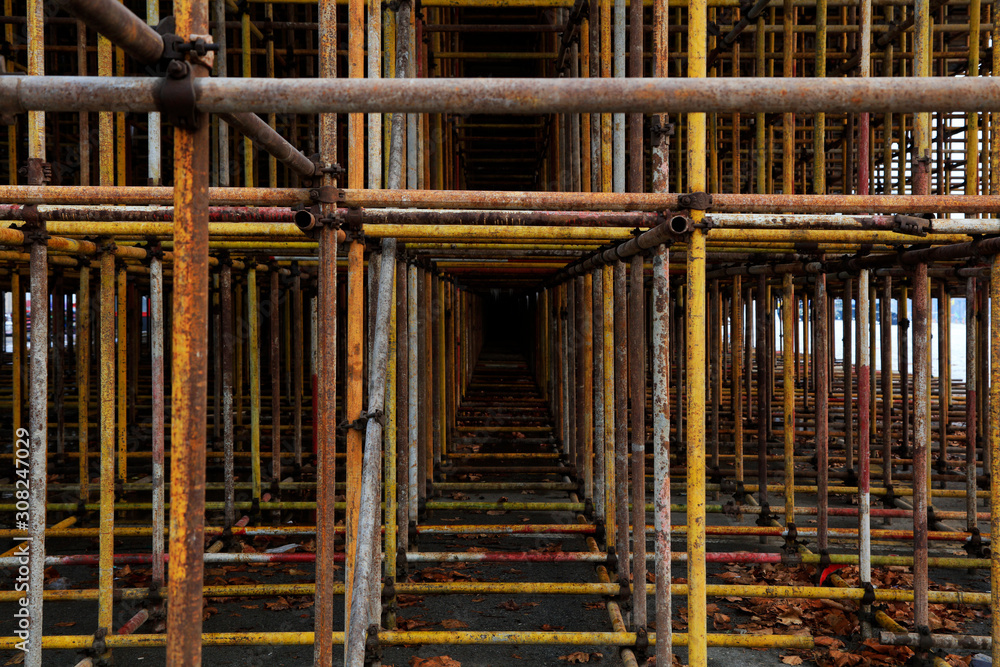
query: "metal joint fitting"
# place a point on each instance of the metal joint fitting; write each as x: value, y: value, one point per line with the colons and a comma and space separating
x: 388, y: 590
x: 869, y: 597
x: 333, y: 170
x: 328, y: 194
x: 941, y: 466
x: 402, y: 566
x: 35, y: 234
x: 600, y: 532
x: 696, y: 201
x: 37, y: 171
x: 156, y: 597
x: 175, y: 96
x: 910, y: 224
x: 641, y: 644
x: 659, y: 132
x: 791, y: 539
x: 732, y: 509
x: 765, y: 518
x: 99, y: 646
x: 373, y: 649
x: 791, y: 558
x: 176, y: 47
x: 624, y: 597
x: 155, y: 251
x: 889, y: 499
x: 926, y: 642
x: 706, y: 224
x: 612, y: 562
x: 81, y: 512
x: 352, y: 221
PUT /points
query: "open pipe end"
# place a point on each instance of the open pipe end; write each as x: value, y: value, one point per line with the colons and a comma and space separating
x: 306, y: 221
x: 681, y: 224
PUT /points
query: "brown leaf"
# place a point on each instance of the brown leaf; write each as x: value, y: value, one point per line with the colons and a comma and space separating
x: 404, y: 600
x: 510, y: 605
x: 791, y: 660
x: 453, y: 624
x: 551, y: 628
x: 721, y: 621
x: 280, y: 604
x: 65, y: 624
x: 828, y: 641
x: 437, y: 661
x: 576, y: 657
x: 790, y: 616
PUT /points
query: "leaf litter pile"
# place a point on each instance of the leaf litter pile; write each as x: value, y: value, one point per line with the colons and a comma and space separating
x: 833, y: 624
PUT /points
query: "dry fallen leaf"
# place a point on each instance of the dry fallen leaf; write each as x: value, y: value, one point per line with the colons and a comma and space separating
x: 280, y: 604
x: 791, y: 660
x: 453, y: 624
x: 437, y: 661
x: 576, y: 657
x: 409, y: 623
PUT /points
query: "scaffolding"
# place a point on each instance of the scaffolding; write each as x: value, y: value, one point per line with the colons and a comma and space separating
x: 674, y: 208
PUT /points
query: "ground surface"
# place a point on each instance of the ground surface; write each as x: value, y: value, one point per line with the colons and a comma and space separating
x: 833, y: 624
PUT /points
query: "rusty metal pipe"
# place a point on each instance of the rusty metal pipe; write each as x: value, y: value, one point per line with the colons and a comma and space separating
x: 921, y: 444
x: 971, y: 400
x: 274, y: 322
x: 226, y: 290
x: 267, y: 139
x: 762, y: 345
x: 621, y: 422
x: 326, y: 433
x: 367, y: 551
x: 666, y: 229
x: 637, y: 390
x: 120, y: 25
x: 821, y: 360
x: 558, y: 201
x: 512, y: 96
x: 661, y: 449
x: 189, y: 377
x: 156, y: 333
